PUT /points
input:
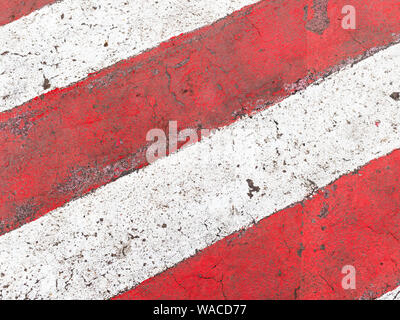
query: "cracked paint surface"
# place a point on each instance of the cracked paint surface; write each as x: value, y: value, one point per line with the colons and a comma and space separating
x: 129, y: 230
x: 299, y: 254
x: 70, y: 39
x: 68, y: 142
x: 15, y: 9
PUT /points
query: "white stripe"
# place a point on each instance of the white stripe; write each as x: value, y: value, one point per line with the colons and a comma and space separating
x: 136, y: 227
x: 45, y: 46
x: 392, y: 295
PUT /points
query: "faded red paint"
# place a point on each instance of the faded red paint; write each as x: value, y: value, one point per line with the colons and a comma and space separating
x: 299, y: 252
x: 67, y: 142
x: 11, y: 10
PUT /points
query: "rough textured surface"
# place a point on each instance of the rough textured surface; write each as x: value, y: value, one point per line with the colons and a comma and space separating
x: 68, y: 142
x: 299, y: 253
x: 11, y: 10
x: 320, y: 20
x: 143, y: 223
x: 63, y: 43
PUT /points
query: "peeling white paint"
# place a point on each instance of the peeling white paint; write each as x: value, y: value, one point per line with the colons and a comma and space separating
x: 143, y: 223
x: 67, y: 40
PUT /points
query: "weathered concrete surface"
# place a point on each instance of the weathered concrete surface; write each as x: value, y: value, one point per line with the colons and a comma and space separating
x: 68, y: 142
x: 65, y: 42
x: 11, y: 10
x: 140, y: 225
x: 299, y: 253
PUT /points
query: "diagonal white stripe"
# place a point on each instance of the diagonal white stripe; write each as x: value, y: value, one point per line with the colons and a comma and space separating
x: 392, y: 295
x: 136, y: 227
x: 64, y: 42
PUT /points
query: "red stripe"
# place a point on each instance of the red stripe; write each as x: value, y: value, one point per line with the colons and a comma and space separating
x: 299, y: 252
x: 11, y: 10
x: 63, y: 144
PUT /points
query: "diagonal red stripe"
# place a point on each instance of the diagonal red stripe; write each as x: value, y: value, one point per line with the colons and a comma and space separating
x: 299, y: 252
x: 11, y: 10
x: 65, y: 143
